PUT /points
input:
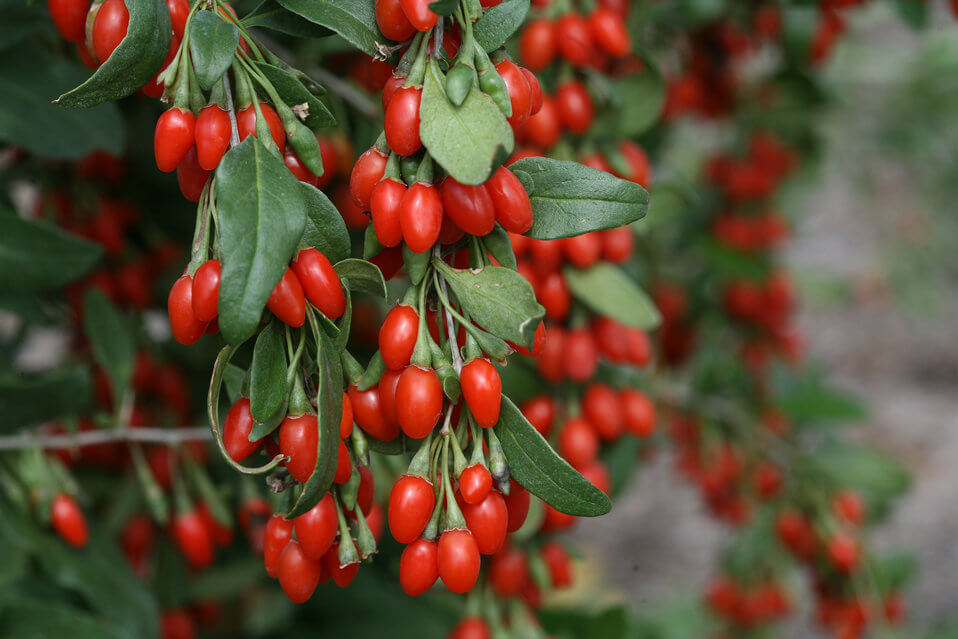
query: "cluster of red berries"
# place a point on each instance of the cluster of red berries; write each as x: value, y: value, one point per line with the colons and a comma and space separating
x: 748, y: 605
x: 590, y: 41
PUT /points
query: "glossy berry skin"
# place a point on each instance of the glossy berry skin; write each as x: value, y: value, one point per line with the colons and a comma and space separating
x: 402, y: 121
x: 638, y: 412
x: 298, y: 440
x: 520, y: 93
x: 510, y: 201
x: 470, y: 207
x: 541, y: 413
x: 298, y: 574
x: 578, y: 442
x: 639, y: 164
x: 475, y: 483
x: 609, y: 32
x: 191, y: 177
x: 557, y: 561
x: 179, y: 11
x: 276, y: 536
x: 344, y: 464
x: 482, y: 390
x: 517, y: 503
x: 420, y: 216
x: 471, y: 628
x: 617, y: 244
x: 187, y: 329
x: 459, y: 560
x: 69, y: 16
x: 411, y: 502
x: 109, y: 28
x: 601, y: 406
x: 419, y: 567
x: 507, y: 572
x: 368, y: 413
x: 574, y: 39
x: 193, y: 538
x: 384, y: 204
x: 342, y: 575
x: 236, y: 429
x: 581, y: 356
x: 397, y: 336
x: 544, y: 128
x: 419, y: 14
x: 537, y: 44
x: 206, y: 290
x: 387, y: 394
x: 488, y: 521
x: 212, y: 134
x: 287, y: 300
x: 575, y: 106
x: 366, y: 174
x: 538, y: 97
x: 246, y: 124
x: 68, y: 520
x: 418, y: 401
x: 316, y: 528
x: 173, y: 138
x: 320, y: 282
x: 392, y: 21
x: 346, y: 422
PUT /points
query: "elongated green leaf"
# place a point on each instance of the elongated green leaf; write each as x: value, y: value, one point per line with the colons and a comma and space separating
x: 499, y: 23
x: 133, y: 63
x: 354, y: 20
x: 608, y: 291
x: 26, y: 400
x: 638, y: 101
x: 325, y: 229
x: 213, y: 43
x: 294, y: 93
x: 270, y: 15
x: 500, y: 247
x: 362, y: 276
x: 37, y: 256
x: 267, y: 383
x: 536, y: 466
x: 111, y: 340
x: 28, y: 75
x: 570, y: 199
x: 261, y: 217
x: 329, y: 408
x: 468, y: 140
x: 234, y: 377
x: 497, y: 299
x: 29, y: 618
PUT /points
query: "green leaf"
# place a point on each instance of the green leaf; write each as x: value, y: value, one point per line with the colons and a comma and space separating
x: 28, y: 75
x: 608, y: 291
x: 870, y: 472
x: 267, y: 383
x: 444, y: 7
x: 468, y: 140
x: 354, y: 20
x: 497, y: 299
x: 213, y: 42
x: 270, y: 15
x: 261, y: 217
x: 810, y: 400
x: 26, y: 400
x: 36, y: 256
x: 499, y: 23
x: 234, y: 377
x: 498, y: 244
x: 293, y: 92
x: 542, y: 472
x: 27, y: 618
x: 638, y: 101
x: 111, y: 340
x: 325, y: 229
x: 329, y: 409
x: 363, y: 276
x: 133, y: 63
x: 571, y: 199
x: 621, y: 459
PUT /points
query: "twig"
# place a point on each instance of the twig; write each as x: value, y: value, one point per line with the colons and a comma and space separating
x: 166, y: 436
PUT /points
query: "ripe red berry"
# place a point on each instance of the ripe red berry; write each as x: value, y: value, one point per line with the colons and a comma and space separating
x: 458, y: 560
x: 470, y: 207
x: 69, y: 16
x: 287, y: 300
x: 366, y: 174
x: 174, y: 137
x: 419, y: 14
x: 582, y: 250
x: 475, y: 483
x: 277, y: 534
x: 420, y: 216
x: 557, y: 561
x: 68, y: 520
x: 236, y: 429
x: 537, y: 44
x: 574, y: 39
x: 206, y: 290
x: 578, y: 442
x: 320, y: 282
x: 575, y: 106
x: 640, y: 167
x: 384, y: 204
x: 541, y: 412
x: 601, y: 406
x: 848, y: 506
x: 482, y: 390
x: 346, y: 422
x: 316, y: 528
x: 419, y: 567
x: 488, y: 521
x: 844, y: 552
x: 397, y: 336
x: 179, y: 11
x: 298, y: 440
x: 471, y: 628
x: 411, y: 502
x: 191, y: 177
x: 392, y: 20
x: 298, y: 574
x: 402, y: 121
x: 609, y: 32
x: 192, y: 536
x: 344, y: 464
x: 187, y: 329
x: 246, y: 124
x: 517, y: 503
x: 510, y: 201
x: 418, y: 401
x: 581, y: 356
x: 387, y: 394
x: 507, y: 572
x: 298, y: 169
x: 212, y: 134
x: 109, y: 28
x: 368, y: 413
x: 638, y: 412
x: 520, y: 93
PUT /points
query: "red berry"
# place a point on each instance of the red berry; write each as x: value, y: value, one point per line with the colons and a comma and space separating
x: 177, y: 624
x: 482, y: 390
x: 471, y: 628
x: 544, y: 128
x: 638, y: 412
x: 609, y: 32
x: 557, y: 561
x: 419, y: 14
x: 581, y: 356
x: 173, y: 138
x: 537, y: 44
x: 510, y: 201
x: 191, y: 177
x: 574, y: 39
x: 602, y: 408
x: 517, y: 503
x: 458, y: 560
x: 844, y: 551
x: 384, y: 204
x: 392, y: 20
x: 366, y: 174
x: 488, y: 521
x: 507, y: 572
x: 848, y: 505
x: 368, y: 413
x: 298, y: 440
x: 402, y: 121
x: 246, y: 124
x: 276, y: 536
x: 298, y: 169
x: 179, y: 12
x: 344, y: 464
x: 320, y: 282
x: 582, y: 250
x: 418, y: 401
x: 193, y: 538
x: 575, y: 107
x: 346, y: 422
x: 475, y: 483
x: 68, y: 520
x: 316, y: 528
x: 109, y: 28
x: 298, y: 574
x: 69, y: 16
x: 419, y: 567
x: 411, y: 502
x: 397, y: 336
x: 578, y: 442
x: 287, y: 301
x: 520, y: 93
x: 387, y: 394
x: 206, y: 290
x: 212, y: 134
x: 236, y: 429
x: 187, y: 329
x: 541, y: 413
x: 470, y: 207
x: 420, y: 216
